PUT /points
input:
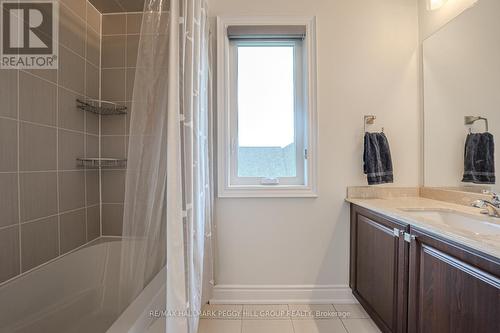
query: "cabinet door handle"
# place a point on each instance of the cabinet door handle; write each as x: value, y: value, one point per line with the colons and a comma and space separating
x: 408, y: 237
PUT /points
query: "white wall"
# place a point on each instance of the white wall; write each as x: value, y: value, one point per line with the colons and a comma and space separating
x: 367, y: 64
x: 461, y: 78
x: 432, y: 21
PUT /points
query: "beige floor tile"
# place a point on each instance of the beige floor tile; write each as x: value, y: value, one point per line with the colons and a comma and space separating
x: 267, y: 326
x: 360, y: 326
x: 219, y: 326
x: 265, y: 312
x: 312, y: 311
x: 351, y: 311
x: 318, y: 326
x: 221, y: 311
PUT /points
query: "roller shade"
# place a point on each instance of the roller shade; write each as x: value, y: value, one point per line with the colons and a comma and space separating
x: 266, y: 31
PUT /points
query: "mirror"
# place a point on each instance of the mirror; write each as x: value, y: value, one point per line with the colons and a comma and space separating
x: 461, y: 78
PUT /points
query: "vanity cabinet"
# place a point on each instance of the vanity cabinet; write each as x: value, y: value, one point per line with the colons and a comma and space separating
x: 379, y: 268
x: 452, y: 289
x: 409, y: 280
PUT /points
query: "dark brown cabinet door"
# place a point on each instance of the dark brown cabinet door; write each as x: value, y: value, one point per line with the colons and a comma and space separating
x: 452, y: 289
x: 378, y: 269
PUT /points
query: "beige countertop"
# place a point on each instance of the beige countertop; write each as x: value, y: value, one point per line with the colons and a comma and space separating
x: 394, y: 208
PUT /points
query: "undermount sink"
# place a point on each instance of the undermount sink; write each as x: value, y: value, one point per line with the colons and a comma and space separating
x: 457, y: 220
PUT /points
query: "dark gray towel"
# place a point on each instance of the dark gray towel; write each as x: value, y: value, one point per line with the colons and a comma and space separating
x: 479, y: 162
x: 377, y: 159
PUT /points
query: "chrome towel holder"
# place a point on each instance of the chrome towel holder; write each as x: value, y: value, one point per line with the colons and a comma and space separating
x: 470, y: 120
x: 369, y: 120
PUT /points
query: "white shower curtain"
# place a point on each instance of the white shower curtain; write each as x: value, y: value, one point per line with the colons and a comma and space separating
x: 168, y: 197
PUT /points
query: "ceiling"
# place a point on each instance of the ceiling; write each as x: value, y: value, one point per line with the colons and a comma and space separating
x: 117, y: 6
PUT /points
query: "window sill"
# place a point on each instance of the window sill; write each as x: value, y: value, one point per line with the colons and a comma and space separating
x: 267, y: 192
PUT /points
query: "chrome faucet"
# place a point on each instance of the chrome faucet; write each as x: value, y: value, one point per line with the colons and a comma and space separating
x: 491, y: 208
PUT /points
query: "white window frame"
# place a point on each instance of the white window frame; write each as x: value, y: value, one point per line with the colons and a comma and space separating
x: 305, y: 116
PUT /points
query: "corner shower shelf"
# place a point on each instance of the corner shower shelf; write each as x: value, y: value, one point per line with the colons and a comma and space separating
x: 102, y: 162
x: 101, y: 107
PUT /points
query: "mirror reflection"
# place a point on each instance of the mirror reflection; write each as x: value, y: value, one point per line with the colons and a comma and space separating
x: 462, y: 100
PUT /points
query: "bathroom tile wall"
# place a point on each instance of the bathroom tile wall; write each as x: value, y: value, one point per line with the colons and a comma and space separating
x: 120, y: 40
x: 48, y: 204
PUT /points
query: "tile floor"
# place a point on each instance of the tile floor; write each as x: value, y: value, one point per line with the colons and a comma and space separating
x: 292, y: 318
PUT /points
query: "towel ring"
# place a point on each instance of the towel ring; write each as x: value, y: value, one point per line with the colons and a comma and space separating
x: 369, y: 120
x: 470, y: 120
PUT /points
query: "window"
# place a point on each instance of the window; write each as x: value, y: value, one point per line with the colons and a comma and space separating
x: 266, y: 121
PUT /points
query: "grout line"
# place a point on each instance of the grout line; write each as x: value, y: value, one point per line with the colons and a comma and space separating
x: 38, y: 219
x: 57, y: 167
x: 9, y: 226
x: 50, y: 171
x: 51, y: 126
x: 100, y: 127
x: 120, y: 67
x: 125, y: 138
x: 122, y: 13
x: 291, y: 321
x: 19, y: 177
x: 85, y: 121
x: 342, y: 322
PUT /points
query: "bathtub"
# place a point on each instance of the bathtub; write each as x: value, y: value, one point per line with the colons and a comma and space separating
x: 77, y: 293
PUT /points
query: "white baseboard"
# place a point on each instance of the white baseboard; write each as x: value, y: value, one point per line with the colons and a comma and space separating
x: 282, y: 294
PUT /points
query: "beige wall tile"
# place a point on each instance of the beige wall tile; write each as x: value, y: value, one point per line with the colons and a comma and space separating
x: 130, y: 83
x: 34, y: 205
x: 71, y: 147
x: 70, y: 116
x: 113, y: 146
x: 112, y: 219
x: 8, y: 145
x: 108, y: 6
x: 92, y: 180
x: 114, y: 24
x: 132, y: 5
x: 37, y: 147
x: 9, y: 253
x: 71, y: 70
x: 93, y: 222
x: 91, y: 81
x: 113, y: 125
x: 9, y: 213
x: 77, y: 6
x: 128, y: 116
x: 47, y: 74
x: 93, y: 17
x: 134, y: 22
x: 132, y: 48
x: 92, y: 121
x: 8, y: 93
x: 113, y: 84
x: 39, y: 242
x: 113, y: 51
x: 71, y: 190
x: 92, y: 146
x: 73, y: 230
x: 93, y: 47
x: 72, y: 30
x: 37, y: 100
x: 113, y: 186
